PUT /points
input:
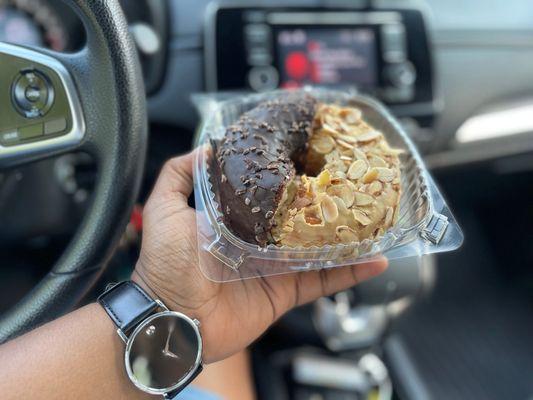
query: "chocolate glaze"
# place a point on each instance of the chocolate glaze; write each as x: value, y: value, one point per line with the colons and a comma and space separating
x: 254, y: 162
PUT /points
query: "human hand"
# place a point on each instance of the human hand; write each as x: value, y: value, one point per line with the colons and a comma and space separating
x: 232, y: 314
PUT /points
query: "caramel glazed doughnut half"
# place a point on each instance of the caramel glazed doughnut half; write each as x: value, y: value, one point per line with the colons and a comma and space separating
x: 299, y: 173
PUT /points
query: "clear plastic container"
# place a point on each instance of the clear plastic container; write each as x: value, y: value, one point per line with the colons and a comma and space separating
x: 424, y: 225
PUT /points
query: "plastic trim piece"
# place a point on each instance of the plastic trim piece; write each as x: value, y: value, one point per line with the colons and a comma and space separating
x: 12, y: 154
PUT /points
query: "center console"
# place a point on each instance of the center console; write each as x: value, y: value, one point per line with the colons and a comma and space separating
x: 380, y: 51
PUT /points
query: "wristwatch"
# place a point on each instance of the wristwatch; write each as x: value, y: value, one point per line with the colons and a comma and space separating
x: 163, y: 348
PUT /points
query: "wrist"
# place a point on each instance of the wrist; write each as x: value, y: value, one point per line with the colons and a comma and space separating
x: 145, y: 284
x: 152, y: 285
x: 155, y: 290
x: 168, y: 342
x: 158, y: 288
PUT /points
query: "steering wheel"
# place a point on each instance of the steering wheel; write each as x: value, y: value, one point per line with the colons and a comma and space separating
x: 91, y: 101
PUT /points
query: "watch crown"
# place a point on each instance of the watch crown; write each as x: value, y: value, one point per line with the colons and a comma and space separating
x: 196, y: 322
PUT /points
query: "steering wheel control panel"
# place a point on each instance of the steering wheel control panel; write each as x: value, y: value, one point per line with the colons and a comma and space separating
x: 383, y: 52
x: 33, y: 102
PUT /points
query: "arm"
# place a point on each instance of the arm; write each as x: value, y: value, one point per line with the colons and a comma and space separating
x: 77, y: 356
x: 81, y: 354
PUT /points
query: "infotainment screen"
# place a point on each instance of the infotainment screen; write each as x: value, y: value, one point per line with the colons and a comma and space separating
x: 326, y: 56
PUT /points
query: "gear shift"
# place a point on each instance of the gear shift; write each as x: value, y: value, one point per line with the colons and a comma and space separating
x: 346, y: 325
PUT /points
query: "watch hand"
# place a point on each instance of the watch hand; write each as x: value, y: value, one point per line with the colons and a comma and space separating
x: 166, y: 350
x: 168, y: 342
x: 168, y: 353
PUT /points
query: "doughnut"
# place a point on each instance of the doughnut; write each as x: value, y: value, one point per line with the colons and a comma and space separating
x: 296, y: 172
x: 254, y: 163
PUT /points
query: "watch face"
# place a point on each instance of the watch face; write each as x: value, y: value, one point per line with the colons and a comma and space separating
x: 163, y: 351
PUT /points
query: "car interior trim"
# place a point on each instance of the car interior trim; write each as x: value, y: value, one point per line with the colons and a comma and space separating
x: 70, y: 139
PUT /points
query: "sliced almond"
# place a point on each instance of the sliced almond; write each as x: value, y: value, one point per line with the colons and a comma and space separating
x: 351, y: 115
x: 371, y: 175
x: 375, y: 187
x: 388, y: 217
x: 330, y: 129
x: 323, y: 144
x: 357, y: 169
x: 368, y: 136
x: 341, y: 206
x: 344, y: 144
x: 344, y: 192
x: 347, y: 138
x: 376, y: 161
x: 360, y: 217
x: 386, y: 148
x: 324, y: 178
x: 329, y: 209
x: 332, y: 157
x: 363, y: 199
x: 359, y: 155
x: 385, y: 174
x: 345, y: 234
x: 345, y: 127
x: 346, y: 158
x: 313, y: 215
x: 340, y: 174
x: 330, y: 119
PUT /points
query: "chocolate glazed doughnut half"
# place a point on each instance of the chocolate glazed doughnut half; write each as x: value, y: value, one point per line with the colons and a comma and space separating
x: 254, y: 163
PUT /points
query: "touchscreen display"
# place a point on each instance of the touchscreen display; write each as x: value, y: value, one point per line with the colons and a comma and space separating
x: 327, y: 56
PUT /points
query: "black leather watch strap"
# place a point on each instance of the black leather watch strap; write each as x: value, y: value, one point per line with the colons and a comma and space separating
x: 127, y: 305
x: 174, y: 393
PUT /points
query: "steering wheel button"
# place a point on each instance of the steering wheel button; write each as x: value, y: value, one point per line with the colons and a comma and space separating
x: 55, y: 126
x: 9, y: 138
x: 30, y: 132
x: 32, y: 93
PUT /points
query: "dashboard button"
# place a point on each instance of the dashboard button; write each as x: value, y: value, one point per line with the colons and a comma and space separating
x: 394, y: 43
x: 401, y: 74
x: 30, y: 132
x: 263, y: 78
x: 32, y: 93
x: 55, y: 126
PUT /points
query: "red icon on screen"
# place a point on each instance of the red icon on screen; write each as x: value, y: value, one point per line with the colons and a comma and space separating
x: 300, y: 67
x: 297, y: 65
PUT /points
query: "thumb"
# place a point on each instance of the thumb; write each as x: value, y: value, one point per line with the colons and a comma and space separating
x: 175, y: 181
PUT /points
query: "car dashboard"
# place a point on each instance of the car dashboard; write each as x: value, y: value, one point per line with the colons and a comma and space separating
x: 413, y: 55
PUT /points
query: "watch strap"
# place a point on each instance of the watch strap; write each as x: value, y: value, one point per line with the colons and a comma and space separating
x: 127, y: 304
x: 175, y: 392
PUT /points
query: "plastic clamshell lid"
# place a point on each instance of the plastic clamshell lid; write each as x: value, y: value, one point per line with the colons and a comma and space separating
x: 425, y: 224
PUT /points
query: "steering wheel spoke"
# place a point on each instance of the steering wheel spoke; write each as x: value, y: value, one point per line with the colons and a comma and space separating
x: 99, y: 91
x: 41, y: 114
